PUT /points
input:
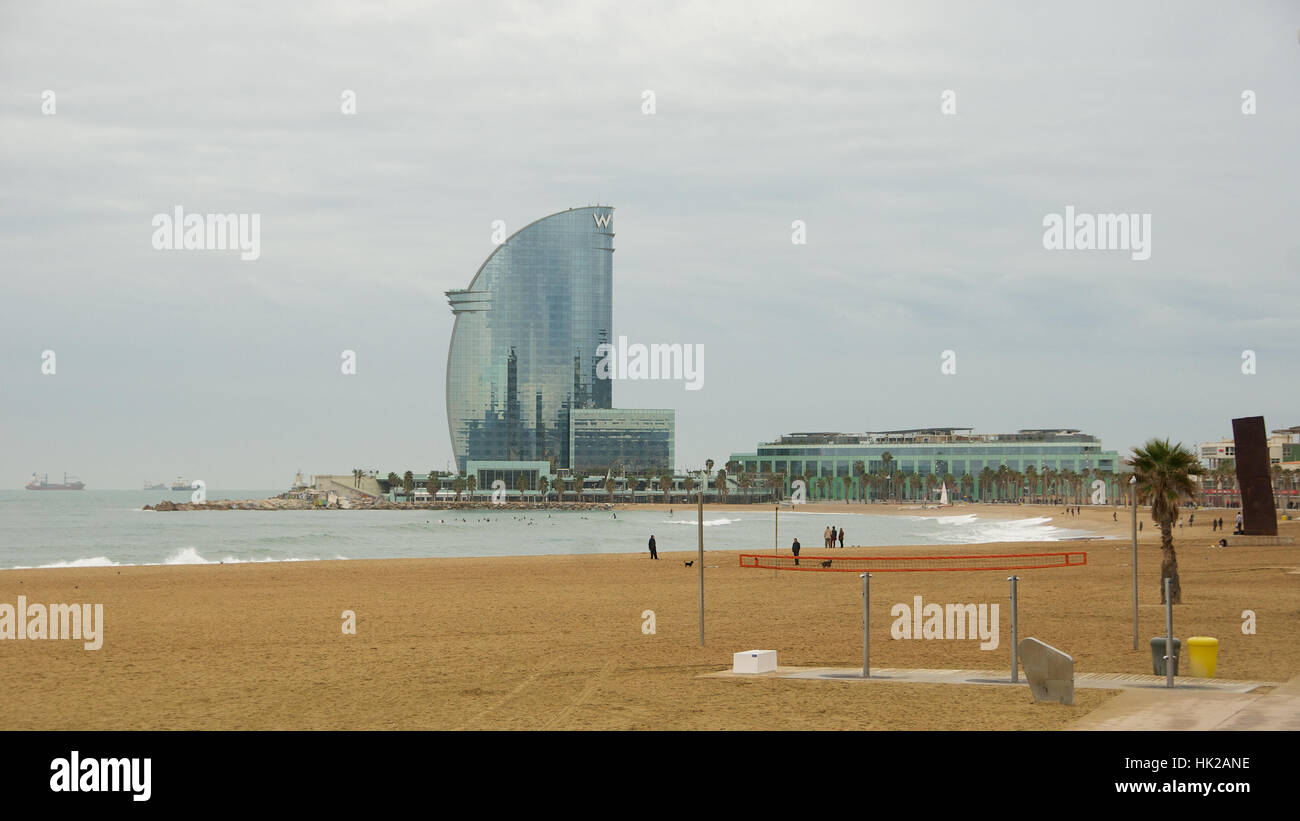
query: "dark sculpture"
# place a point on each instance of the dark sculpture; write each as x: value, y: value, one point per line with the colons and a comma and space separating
x: 1259, y: 512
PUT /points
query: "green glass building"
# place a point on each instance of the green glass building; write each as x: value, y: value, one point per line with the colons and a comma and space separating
x: 1056, y: 462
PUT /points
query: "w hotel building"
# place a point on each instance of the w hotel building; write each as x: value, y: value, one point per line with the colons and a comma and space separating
x: 921, y: 452
x: 522, y: 360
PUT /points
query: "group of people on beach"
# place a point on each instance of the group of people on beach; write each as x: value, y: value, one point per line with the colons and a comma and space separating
x: 831, y: 536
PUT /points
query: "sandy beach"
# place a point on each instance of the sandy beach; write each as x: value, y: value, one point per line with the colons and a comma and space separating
x: 557, y: 642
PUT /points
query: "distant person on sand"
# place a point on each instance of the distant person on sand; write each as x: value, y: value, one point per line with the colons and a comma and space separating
x: 841, y: 537
x: 794, y: 548
x: 654, y: 553
x: 1238, y: 530
x: 826, y: 536
x: 1114, y: 517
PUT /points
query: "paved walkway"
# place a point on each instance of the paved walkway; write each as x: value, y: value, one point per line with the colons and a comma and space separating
x: 1145, y: 704
x: 1086, y: 681
x: 1198, y: 710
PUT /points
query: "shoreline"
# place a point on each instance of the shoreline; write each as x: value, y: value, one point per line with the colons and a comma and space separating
x: 560, y: 641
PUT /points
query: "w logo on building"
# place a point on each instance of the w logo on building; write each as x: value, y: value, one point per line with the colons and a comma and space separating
x: 602, y: 220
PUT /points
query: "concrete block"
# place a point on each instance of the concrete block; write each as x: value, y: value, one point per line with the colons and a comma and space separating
x: 754, y: 661
x: 1049, y: 671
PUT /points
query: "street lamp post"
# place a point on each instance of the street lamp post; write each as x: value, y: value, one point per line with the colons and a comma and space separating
x: 1132, y: 486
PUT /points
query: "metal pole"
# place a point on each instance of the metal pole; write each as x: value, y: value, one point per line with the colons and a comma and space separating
x: 700, y: 559
x: 1169, y: 635
x: 776, y: 536
x: 1015, y: 632
x: 1132, y: 485
x: 866, y: 624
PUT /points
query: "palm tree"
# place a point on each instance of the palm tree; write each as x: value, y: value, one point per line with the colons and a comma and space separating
x: 1031, y: 476
x: 986, y: 479
x: 522, y: 487
x: 458, y: 485
x: 848, y: 485
x: 666, y: 487
x: 1164, y: 476
x: 471, y: 484
x: 860, y: 471
x: 720, y: 482
x: 393, y: 480
x: 689, y: 484
x: 745, y: 482
x: 967, y: 484
x: 885, y: 459
x: 544, y: 485
x: 408, y: 482
x: 610, y: 485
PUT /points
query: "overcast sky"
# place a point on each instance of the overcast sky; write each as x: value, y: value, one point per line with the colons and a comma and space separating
x: 924, y: 230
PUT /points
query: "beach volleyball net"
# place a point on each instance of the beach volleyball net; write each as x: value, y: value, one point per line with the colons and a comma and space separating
x: 909, y: 564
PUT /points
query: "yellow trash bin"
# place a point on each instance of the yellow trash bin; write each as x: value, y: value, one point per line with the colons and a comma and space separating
x: 1202, y: 655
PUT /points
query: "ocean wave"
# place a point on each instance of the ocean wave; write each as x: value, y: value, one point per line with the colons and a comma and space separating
x: 190, y: 555
x: 97, y: 561
x: 707, y: 522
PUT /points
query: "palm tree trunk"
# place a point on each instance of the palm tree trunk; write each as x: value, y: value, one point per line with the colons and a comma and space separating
x: 1169, y: 564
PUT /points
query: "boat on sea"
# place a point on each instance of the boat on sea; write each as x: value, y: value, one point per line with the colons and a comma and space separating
x: 159, y: 486
x: 180, y: 483
x: 43, y: 483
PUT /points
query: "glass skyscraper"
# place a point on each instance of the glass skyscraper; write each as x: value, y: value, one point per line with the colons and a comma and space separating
x: 523, y: 347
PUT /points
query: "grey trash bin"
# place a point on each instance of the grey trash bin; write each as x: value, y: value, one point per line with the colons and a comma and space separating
x: 1158, y: 654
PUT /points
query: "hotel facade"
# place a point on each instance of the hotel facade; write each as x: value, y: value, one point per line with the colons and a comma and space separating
x: 523, y: 357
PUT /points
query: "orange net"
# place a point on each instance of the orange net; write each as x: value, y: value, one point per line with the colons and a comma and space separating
x: 905, y: 564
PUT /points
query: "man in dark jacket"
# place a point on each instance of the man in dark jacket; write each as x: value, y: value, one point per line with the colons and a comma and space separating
x: 654, y: 554
x: 794, y: 548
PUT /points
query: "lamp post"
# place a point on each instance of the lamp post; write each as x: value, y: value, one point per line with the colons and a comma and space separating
x: 1132, y: 492
x: 704, y: 486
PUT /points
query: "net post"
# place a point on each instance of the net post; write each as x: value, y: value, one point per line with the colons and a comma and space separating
x: 866, y: 624
x: 1015, y: 673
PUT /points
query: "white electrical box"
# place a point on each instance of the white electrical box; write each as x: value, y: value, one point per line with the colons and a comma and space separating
x: 754, y: 661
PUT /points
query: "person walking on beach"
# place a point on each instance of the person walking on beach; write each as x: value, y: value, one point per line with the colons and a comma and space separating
x: 794, y: 548
x: 654, y: 553
x: 826, y: 536
x: 841, y: 537
x: 1238, y: 530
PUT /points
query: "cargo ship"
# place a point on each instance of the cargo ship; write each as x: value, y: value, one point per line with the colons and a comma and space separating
x: 149, y: 486
x: 181, y: 483
x: 43, y: 483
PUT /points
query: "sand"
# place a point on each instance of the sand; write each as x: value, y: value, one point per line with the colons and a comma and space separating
x: 557, y: 642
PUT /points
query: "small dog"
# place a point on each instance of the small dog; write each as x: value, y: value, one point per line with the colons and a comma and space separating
x: 691, y: 562
x: 826, y: 563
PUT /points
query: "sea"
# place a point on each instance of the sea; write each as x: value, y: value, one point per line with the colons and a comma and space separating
x: 93, y: 528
